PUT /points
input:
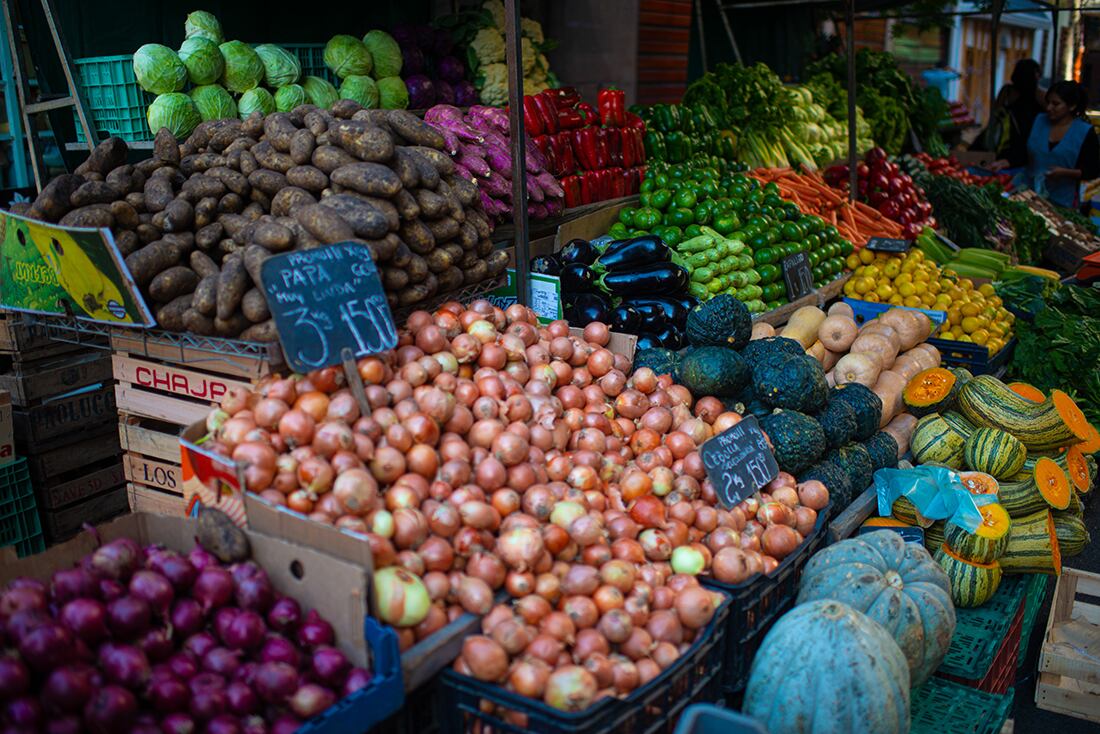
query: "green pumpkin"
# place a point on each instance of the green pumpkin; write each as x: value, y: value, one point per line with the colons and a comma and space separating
x: 797, y: 438
x: 896, y: 584
x: 825, y: 668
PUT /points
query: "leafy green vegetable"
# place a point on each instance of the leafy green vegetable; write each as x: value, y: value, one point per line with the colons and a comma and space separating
x: 280, y: 66
x: 203, y: 59
x: 320, y: 91
x: 385, y: 53
x: 174, y: 111
x: 256, y: 99
x: 243, y: 67
x: 362, y: 89
x: 392, y: 93
x: 202, y: 24
x: 289, y: 97
x: 158, y: 69
x: 347, y: 56
x: 213, y: 102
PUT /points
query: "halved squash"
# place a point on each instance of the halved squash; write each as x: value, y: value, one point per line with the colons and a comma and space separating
x: 977, y: 482
x: 1052, y: 483
x: 1027, y: 392
x: 1077, y: 469
x: 1073, y: 416
x: 908, y: 513
x: 1091, y: 444
x: 987, y: 542
x: 931, y: 391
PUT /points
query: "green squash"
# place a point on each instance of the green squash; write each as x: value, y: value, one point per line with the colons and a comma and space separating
x: 883, y: 449
x: 797, y: 439
x: 855, y: 462
x: 825, y: 668
x: 994, y: 452
x: 714, y: 371
x: 838, y: 420
x: 868, y: 407
x: 662, y: 361
x: 896, y: 584
x: 793, y: 382
x: 769, y: 346
x: 723, y: 321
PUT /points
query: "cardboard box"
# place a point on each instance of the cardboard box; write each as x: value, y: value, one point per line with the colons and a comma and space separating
x: 7, y: 434
x: 336, y: 588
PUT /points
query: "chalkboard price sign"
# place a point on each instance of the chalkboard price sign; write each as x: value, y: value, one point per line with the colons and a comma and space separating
x: 798, y: 276
x: 888, y: 244
x: 325, y: 301
x: 738, y: 461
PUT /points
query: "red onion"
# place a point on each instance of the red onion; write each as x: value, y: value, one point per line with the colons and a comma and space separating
x: 111, y: 710
x: 109, y: 590
x: 253, y: 725
x: 86, y: 618
x: 24, y: 713
x: 70, y: 724
x: 157, y: 644
x: 247, y: 673
x: 128, y: 617
x: 174, y: 567
x: 285, y: 724
x: 186, y: 617
x: 124, y: 664
x: 21, y: 599
x: 357, y: 679
x: 310, y: 700
x: 246, y: 631
x: 15, y: 679
x: 213, y: 588
x: 200, y: 643
x: 315, y: 631
x: 168, y: 695
x: 253, y: 587
x: 177, y: 723
x: 284, y: 615
x: 71, y: 583
x: 223, y: 724
x: 201, y: 558
x: 20, y: 624
x: 69, y: 688
x: 278, y: 649
x: 222, y: 661
x: 330, y: 666
x: 117, y: 560
x: 207, y: 703
x: 242, y: 699
x: 47, y: 646
x: 275, y: 682
x: 222, y: 619
x: 183, y: 666
x: 153, y: 588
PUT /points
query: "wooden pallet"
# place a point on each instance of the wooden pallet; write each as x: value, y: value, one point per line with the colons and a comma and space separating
x: 67, y: 522
x: 63, y: 420
x: 1069, y: 682
x: 90, y: 448
x: 31, y: 383
x: 151, y: 458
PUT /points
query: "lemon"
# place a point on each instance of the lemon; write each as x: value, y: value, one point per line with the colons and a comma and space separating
x: 996, y: 301
x: 964, y: 338
x: 954, y: 316
x: 920, y: 288
x: 884, y: 291
x: 866, y: 256
x: 986, y: 289
x: 934, y: 287
x: 852, y: 261
x: 970, y: 324
x: 969, y: 309
x: 872, y: 298
x: 966, y: 284
x: 872, y: 271
x: 895, y: 300
x: 909, y: 266
x: 997, y: 329
x: 994, y: 345
x: 891, y: 269
x: 928, y: 299
x: 916, y: 255
x: 906, y: 276
x: 906, y: 289
x: 921, y: 276
x: 981, y: 336
x: 864, y: 285
x: 911, y: 301
x: 850, y: 287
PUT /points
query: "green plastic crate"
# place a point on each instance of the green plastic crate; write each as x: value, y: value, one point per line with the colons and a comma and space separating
x: 980, y: 632
x: 115, y: 102
x: 1036, y: 595
x: 19, y: 522
x: 312, y: 58
x: 942, y: 706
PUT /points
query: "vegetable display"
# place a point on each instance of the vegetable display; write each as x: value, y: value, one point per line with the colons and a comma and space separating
x: 883, y: 185
x: 149, y: 640
x: 196, y: 221
x: 433, y: 67
x: 480, y: 144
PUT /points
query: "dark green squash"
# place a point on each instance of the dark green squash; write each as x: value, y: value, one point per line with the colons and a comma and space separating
x: 883, y: 450
x: 794, y: 382
x: 868, y: 407
x: 768, y: 346
x: 838, y: 420
x: 662, y: 361
x: 854, y: 460
x: 717, y: 371
x: 723, y: 321
x: 797, y: 439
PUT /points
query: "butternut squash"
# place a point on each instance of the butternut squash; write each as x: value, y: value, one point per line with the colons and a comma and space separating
x: 933, y: 354
x: 905, y: 323
x: 857, y: 367
x: 761, y: 330
x: 919, y: 357
x: 925, y: 324
x: 907, y: 365
x: 889, y: 389
x: 880, y: 344
x: 804, y: 325
x: 901, y: 428
x: 837, y: 333
x: 831, y: 358
x: 840, y: 308
x: 817, y: 351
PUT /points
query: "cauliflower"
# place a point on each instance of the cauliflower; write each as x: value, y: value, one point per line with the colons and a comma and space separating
x: 543, y: 63
x: 488, y: 44
x: 529, y: 55
x: 531, y: 29
x: 496, y: 9
x: 494, y: 85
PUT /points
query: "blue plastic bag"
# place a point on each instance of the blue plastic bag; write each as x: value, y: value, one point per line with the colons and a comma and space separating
x: 936, y: 491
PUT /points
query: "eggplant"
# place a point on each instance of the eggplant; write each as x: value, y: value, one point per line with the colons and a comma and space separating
x: 651, y: 318
x: 633, y: 253
x: 578, y: 251
x: 648, y: 341
x: 687, y: 301
x: 580, y: 309
x: 650, y: 280
x: 674, y: 311
x: 671, y: 337
x: 547, y: 265
x: 625, y: 318
x: 577, y: 278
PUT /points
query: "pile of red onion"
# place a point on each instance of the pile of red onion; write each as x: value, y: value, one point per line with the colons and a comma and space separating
x: 148, y: 640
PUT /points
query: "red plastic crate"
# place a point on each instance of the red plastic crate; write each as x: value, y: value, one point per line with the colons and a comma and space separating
x: 1002, y: 673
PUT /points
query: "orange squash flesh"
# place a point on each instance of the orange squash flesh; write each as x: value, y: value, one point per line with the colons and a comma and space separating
x: 1075, y: 420
x: 1027, y: 392
x: 1078, y: 469
x: 1091, y: 444
x: 995, y: 521
x: 1052, y: 483
x: 977, y: 482
x: 957, y: 557
x: 929, y: 386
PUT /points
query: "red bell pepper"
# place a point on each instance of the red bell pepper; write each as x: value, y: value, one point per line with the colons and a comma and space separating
x: 547, y: 113
x: 615, y: 148
x: 588, y: 113
x: 584, y: 148
x: 572, y: 187
x: 562, y: 145
x: 532, y: 121
x: 569, y: 119
x: 565, y: 96
x: 612, y: 104
x: 603, y: 151
x: 630, y: 152
x: 637, y: 141
x: 634, y: 122
x: 617, y: 178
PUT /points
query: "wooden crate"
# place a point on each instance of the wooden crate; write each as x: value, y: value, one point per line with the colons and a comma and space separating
x: 151, y: 462
x: 1069, y: 682
x: 63, y: 420
x: 233, y: 358
x: 90, y: 448
x: 64, y: 523
x: 33, y: 382
x: 168, y: 392
x: 60, y: 492
x: 144, y: 499
x: 17, y: 334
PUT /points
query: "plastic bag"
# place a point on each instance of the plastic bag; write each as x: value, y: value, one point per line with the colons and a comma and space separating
x: 936, y: 491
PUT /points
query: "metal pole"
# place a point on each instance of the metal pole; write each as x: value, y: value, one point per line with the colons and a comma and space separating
x: 850, y: 42
x: 995, y: 42
x: 514, y: 57
x: 698, y: 7
x: 729, y: 32
x: 17, y: 74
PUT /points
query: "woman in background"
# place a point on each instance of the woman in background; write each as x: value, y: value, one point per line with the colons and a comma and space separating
x: 1015, y: 109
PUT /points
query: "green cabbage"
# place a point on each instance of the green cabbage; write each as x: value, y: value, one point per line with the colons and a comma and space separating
x: 255, y: 99
x: 243, y: 67
x: 320, y: 92
x: 158, y: 69
x: 281, y: 67
x: 384, y: 52
x: 392, y: 93
x: 362, y: 89
x: 347, y: 56
x: 213, y: 102
x: 202, y: 24
x: 203, y: 59
x: 289, y: 97
x: 174, y: 111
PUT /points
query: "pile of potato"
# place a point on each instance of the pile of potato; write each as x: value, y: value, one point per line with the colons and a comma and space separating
x: 196, y: 221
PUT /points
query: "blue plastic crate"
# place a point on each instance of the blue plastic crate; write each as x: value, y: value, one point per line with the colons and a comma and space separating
x: 704, y: 718
x: 867, y: 310
x: 20, y: 525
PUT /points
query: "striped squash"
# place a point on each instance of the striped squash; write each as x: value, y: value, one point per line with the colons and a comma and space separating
x: 1074, y: 462
x: 934, y: 536
x: 995, y: 452
x: 1072, y: 534
x: 987, y: 402
x: 972, y: 584
x: 977, y: 482
x: 1043, y: 487
x: 908, y: 513
x: 1032, y: 545
x: 936, y: 441
x: 1028, y: 392
x: 1091, y: 443
x: 987, y: 543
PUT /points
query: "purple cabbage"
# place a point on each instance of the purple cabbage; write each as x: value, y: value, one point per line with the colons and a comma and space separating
x: 444, y: 92
x: 412, y: 59
x: 421, y: 91
x: 404, y: 35
x: 442, y: 42
x: 450, y: 69
x: 466, y: 93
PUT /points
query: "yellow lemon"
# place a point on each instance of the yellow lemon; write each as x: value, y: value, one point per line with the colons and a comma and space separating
x: 891, y: 269
x: 969, y: 309
x: 954, y: 316
x: 872, y: 297
x: 871, y: 271
x: 964, y: 338
x: 904, y: 277
x: 909, y: 266
x: 906, y: 289
x: 921, y: 276
x: 916, y: 255
x: 850, y: 287
x: 852, y: 261
x: 996, y: 301
x: 995, y: 345
x: 895, y: 300
x: 966, y: 284
x: 863, y: 285
x: 997, y: 329
x: 934, y: 287
x: 912, y: 301
x: 970, y: 324
x: 928, y: 299
x: 981, y: 336
x: 920, y: 288
x: 986, y: 289
x: 884, y: 291
x: 866, y: 256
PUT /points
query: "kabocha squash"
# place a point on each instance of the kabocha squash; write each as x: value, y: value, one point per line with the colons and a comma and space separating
x: 972, y: 584
x: 825, y: 668
x: 934, y: 536
x: 838, y: 421
x: 797, y: 439
x: 757, y: 349
x: 1027, y: 392
x: 896, y: 584
x: 722, y: 321
x: 994, y: 452
x: 883, y: 450
x: 867, y: 405
x: 1043, y: 486
x: 853, y: 460
x: 987, y: 543
x: 931, y: 391
x: 1057, y: 421
x: 793, y: 382
x: 714, y: 371
x: 977, y: 482
x: 1032, y: 545
x: 936, y: 441
x: 1072, y: 534
x: 661, y: 361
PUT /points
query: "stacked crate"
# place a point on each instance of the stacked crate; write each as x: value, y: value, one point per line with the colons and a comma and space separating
x: 163, y: 386
x: 63, y: 407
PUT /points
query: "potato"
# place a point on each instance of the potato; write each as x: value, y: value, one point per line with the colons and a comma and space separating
x: 289, y: 200
x: 316, y: 121
x: 432, y: 205
x: 417, y: 269
x: 232, y: 284
x: 414, y: 130
x: 345, y: 108
x: 405, y: 168
x: 467, y: 236
x: 235, y: 181
x: 324, y: 224
x: 206, y: 211
x: 480, y: 222
x: 181, y: 243
x: 148, y: 166
x: 303, y: 240
x: 466, y: 191
x: 254, y: 257
x: 278, y: 130
x: 308, y: 178
x: 385, y: 247
x: 224, y: 137
x: 468, y: 259
x: 136, y: 200
x: 125, y: 179
x: 254, y: 306
x: 165, y: 147
x: 475, y: 274
x: 413, y: 294
x: 425, y: 170
x: 232, y: 326
x: 270, y: 235
x: 170, y: 316
x: 417, y: 236
x: 302, y: 144
x: 257, y: 207
x: 406, y: 205
x: 234, y: 226
x: 374, y: 117
x: 109, y: 154
x: 210, y: 235
x: 394, y: 279
x: 127, y: 242
x: 453, y: 250
x: 93, y: 215
x: 264, y: 332
x: 269, y: 182
x: 438, y: 260
x: 367, y: 178
x: 202, y: 264
x: 253, y: 125
x: 202, y: 186
x: 200, y: 162
x: 450, y: 279
x: 388, y: 210
x: 95, y: 192
x: 178, y: 216
x: 484, y: 247
x: 442, y: 162
x: 230, y: 203
x: 53, y: 202
x: 443, y: 229
x: 497, y: 262
x: 238, y: 146
x: 175, y: 281
x: 402, y: 255
x: 198, y: 323
x: 269, y: 158
x: 147, y: 233
x: 362, y: 140
x: 204, y: 299
x: 364, y: 219
x: 328, y: 158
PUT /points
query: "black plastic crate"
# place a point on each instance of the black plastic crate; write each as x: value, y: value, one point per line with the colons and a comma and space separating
x: 756, y: 604
x: 469, y: 705
x: 418, y: 715
x: 703, y: 718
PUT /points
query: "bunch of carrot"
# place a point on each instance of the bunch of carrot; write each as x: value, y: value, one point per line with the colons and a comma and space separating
x: 856, y: 221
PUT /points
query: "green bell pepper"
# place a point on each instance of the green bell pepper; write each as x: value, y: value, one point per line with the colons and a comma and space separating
x: 679, y: 217
x: 655, y: 146
x: 660, y: 199
x: 647, y: 218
